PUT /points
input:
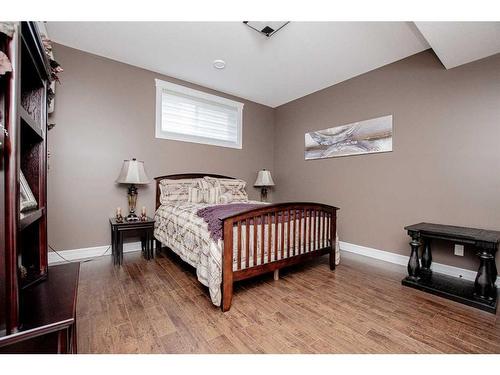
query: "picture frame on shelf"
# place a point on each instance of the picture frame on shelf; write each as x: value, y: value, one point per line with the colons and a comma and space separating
x: 27, y: 201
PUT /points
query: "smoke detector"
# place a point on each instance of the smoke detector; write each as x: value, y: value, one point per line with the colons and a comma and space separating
x: 219, y: 64
x: 268, y: 28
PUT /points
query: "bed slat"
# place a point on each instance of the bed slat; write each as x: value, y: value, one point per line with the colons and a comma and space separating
x: 262, y: 239
x: 247, y: 245
x: 239, y: 245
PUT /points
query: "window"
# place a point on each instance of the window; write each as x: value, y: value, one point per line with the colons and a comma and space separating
x: 184, y: 114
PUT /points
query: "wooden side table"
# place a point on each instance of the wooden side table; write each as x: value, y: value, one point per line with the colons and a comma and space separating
x: 144, y: 229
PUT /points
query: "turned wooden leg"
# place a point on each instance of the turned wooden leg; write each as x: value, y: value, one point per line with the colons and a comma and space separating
x: 413, y: 263
x: 484, y: 286
x: 427, y: 256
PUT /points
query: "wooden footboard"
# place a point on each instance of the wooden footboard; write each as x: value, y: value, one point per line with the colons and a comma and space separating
x: 266, y: 239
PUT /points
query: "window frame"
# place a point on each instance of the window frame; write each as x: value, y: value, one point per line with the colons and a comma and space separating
x: 165, y: 134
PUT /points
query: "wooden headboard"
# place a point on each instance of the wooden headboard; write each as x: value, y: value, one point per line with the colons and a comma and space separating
x: 181, y: 176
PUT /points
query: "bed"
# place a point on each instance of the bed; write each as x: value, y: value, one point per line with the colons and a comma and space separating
x: 231, y: 239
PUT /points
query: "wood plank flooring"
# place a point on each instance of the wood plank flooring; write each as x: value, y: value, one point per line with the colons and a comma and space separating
x: 158, y: 306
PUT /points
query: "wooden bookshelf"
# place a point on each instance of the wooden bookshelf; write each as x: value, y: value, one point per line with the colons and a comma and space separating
x: 25, y: 291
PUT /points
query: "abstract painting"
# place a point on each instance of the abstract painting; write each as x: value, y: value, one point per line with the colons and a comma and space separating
x: 363, y: 137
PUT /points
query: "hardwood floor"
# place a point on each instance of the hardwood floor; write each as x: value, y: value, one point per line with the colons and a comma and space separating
x: 158, y: 306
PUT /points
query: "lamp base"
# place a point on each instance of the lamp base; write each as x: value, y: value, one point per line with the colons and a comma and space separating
x: 132, y: 200
x: 263, y: 194
x: 132, y: 217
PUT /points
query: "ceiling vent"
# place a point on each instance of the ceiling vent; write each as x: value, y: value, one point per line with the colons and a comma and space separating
x: 268, y: 28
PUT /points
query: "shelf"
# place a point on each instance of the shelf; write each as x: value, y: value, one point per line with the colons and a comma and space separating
x: 49, y: 306
x: 30, y: 217
x: 453, y: 288
x: 31, y: 124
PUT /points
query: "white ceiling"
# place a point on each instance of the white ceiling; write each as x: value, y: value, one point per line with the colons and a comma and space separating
x: 301, y: 58
x: 457, y: 43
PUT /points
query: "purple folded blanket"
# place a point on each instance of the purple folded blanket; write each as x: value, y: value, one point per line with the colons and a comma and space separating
x: 213, y: 214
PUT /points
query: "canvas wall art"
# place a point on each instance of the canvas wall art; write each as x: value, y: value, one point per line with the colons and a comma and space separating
x: 363, y: 137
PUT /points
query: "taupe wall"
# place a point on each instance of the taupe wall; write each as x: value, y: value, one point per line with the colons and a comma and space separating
x: 105, y: 112
x: 445, y: 166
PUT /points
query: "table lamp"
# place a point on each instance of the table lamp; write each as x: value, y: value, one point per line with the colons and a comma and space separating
x: 264, y: 181
x: 132, y: 173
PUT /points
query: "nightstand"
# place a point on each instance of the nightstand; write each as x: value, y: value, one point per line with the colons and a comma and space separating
x: 143, y: 229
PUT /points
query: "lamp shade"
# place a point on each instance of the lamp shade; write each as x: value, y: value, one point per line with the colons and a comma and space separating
x: 264, y: 179
x: 133, y: 173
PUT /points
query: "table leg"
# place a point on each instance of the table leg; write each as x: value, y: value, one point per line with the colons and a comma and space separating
x: 152, y: 244
x: 484, y: 286
x: 120, y: 248
x: 413, y: 263
x: 146, y: 247
x: 113, y: 245
x: 427, y: 255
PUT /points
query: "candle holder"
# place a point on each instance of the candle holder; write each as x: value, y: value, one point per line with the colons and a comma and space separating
x: 119, y: 217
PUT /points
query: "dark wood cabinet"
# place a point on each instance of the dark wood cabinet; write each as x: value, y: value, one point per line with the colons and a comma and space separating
x: 23, y: 233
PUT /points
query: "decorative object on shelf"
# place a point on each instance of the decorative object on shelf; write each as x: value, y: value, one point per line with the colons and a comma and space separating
x: 133, y: 173
x: 54, y: 66
x: 7, y: 28
x: 5, y: 65
x: 143, y: 214
x: 55, y: 69
x: 119, y: 217
x: 28, y: 201
x: 363, y: 137
x: 264, y: 181
x: 23, y: 272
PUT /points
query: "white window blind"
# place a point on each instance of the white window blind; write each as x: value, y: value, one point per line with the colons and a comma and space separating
x: 190, y: 115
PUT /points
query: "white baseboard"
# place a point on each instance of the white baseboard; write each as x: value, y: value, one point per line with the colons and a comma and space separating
x: 386, y: 256
x: 89, y: 252
x: 402, y: 260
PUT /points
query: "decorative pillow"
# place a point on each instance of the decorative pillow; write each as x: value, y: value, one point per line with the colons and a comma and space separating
x: 195, y: 195
x: 226, y: 198
x: 177, y: 190
x: 212, y: 195
x: 232, y: 189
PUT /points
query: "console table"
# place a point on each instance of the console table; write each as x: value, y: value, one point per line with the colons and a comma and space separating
x: 482, y: 293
